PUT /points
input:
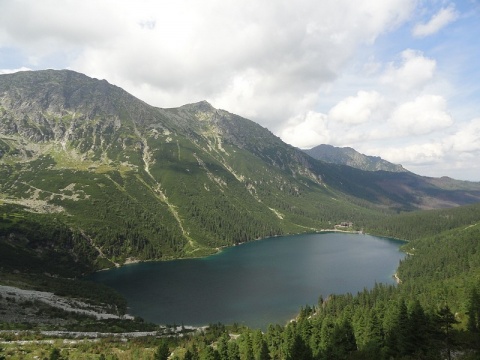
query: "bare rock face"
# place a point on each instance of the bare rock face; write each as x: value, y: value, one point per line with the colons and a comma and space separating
x: 350, y: 157
x: 65, y: 106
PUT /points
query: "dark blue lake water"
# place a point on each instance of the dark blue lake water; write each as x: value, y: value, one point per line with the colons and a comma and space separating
x: 257, y: 283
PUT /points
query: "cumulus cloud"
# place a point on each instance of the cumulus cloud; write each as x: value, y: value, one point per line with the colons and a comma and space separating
x: 34, y: 24
x: 307, y: 70
x: 467, y: 139
x: 414, y: 154
x: 438, y: 21
x: 457, y: 153
x: 414, y: 71
x: 239, y: 54
x: 425, y: 114
x: 307, y: 130
x: 357, y: 109
x: 401, y: 133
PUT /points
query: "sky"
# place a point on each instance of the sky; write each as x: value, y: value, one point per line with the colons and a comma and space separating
x: 399, y: 79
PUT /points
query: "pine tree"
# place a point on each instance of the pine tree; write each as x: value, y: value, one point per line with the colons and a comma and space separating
x: 405, y: 343
x: 299, y: 350
x: 343, y: 340
x: 209, y: 354
x: 473, y: 324
x: 474, y: 312
x: 288, y: 337
x: 260, y: 349
x: 233, y: 351
x: 162, y: 352
x: 222, y: 347
x: 246, y: 348
x: 274, y: 341
x: 326, y: 333
x: 375, y: 334
x: 192, y: 354
x: 420, y: 328
x: 446, y: 319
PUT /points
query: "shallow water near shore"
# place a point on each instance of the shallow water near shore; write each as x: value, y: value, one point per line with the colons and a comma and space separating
x: 256, y: 283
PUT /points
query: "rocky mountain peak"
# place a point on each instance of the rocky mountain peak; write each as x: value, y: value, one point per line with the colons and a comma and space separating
x: 68, y: 121
x: 201, y: 106
x: 351, y: 157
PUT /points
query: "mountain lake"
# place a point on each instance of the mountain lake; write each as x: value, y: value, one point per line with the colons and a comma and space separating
x: 257, y: 283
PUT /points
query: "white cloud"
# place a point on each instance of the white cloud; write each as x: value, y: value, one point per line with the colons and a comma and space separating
x: 268, y: 57
x: 33, y: 24
x: 425, y: 114
x: 366, y: 119
x: 357, y: 109
x: 438, y: 21
x: 11, y: 71
x: 414, y: 154
x: 413, y: 73
x: 411, y: 133
x: 455, y: 154
x: 307, y: 130
x: 467, y: 139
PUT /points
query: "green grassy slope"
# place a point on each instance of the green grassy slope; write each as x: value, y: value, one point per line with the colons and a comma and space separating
x: 147, y: 183
x: 434, y: 313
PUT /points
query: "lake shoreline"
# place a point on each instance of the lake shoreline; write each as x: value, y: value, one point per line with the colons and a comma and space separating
x: 278, y: 270
x: 219, y: 249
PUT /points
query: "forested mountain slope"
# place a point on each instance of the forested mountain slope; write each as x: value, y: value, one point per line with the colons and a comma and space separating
x: 434, y: 313
x: 91, y: 176
x: 132, y: 180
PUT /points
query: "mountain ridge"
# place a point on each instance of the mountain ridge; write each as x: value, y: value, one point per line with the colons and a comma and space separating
x: 350, y: 157
x: 137, y: 181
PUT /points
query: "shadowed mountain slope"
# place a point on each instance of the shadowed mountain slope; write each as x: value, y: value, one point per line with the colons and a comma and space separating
x: 135, y: 181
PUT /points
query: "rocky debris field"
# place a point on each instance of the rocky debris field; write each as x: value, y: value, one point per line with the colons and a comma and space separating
x: 30, y: 306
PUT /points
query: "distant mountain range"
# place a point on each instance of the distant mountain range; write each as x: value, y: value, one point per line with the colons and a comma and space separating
x: 350, y: 157
x: 133, y: 181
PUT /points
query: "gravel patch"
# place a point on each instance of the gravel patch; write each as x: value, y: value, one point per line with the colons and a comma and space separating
x: 19, y: 305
